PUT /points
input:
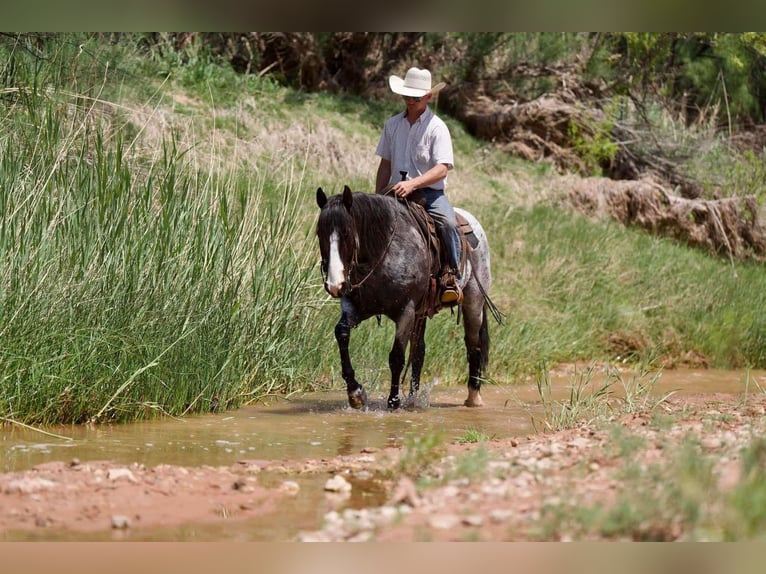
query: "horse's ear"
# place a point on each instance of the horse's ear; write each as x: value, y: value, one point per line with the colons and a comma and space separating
x: 347, y: 197
x: 321, y: 198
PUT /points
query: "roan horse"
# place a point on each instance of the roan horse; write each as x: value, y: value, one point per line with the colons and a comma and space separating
x: 375, y: 259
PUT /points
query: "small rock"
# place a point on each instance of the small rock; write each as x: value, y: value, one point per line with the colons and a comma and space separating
x: 243, y: 485
x: 337, y: 484
x: 450, y: 491
x: 499, y: 515
x: 499, y: 465
x: 443, y: 521
x: 120, y: 521
x: 29, y: 485
x: 118, y: 473
x: 385, y: 515
x: 405, y: 492
x: 290, y: 487
x: 711, y: 443
x: 42, y: 522
x: 473, y: 520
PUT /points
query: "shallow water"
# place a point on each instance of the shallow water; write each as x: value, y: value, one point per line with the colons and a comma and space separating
x: 312, y: 425
x: 319, y: 425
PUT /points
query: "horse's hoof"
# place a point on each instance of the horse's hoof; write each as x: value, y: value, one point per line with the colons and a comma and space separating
x: 474, y: 399
x: 394, y: 402
x: 358, y: 399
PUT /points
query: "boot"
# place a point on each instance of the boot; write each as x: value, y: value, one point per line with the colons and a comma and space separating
x: 451, y: 294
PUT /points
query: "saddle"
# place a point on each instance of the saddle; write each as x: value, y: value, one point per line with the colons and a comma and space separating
x: 438, y: 253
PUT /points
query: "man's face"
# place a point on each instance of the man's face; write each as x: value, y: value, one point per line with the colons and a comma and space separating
x: 417, y: 104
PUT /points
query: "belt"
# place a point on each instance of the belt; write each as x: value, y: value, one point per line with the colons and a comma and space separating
x: 428, y: 189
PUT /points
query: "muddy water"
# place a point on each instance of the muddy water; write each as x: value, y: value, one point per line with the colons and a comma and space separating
x: 316, y: 425
x: 313, y: 426
x: 321, y: 425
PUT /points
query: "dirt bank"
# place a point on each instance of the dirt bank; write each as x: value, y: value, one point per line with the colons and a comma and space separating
x: 494, y: 490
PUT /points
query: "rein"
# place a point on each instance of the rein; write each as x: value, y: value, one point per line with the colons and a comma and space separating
x: 380, y: 258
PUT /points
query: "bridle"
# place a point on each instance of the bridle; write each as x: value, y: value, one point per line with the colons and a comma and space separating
x: 355, y: 260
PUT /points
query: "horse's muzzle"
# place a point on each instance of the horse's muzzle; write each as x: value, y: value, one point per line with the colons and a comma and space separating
x: 336, y: 290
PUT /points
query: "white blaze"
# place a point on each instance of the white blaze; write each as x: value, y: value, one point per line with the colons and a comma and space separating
x: 335, y: 271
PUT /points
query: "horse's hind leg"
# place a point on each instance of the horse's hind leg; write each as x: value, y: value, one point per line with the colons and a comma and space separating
x: 477, y: 350
x: 404, y: 326
x: 357, y: 397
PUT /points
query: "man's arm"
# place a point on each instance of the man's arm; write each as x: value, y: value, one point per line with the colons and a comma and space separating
x: 384, y: 175
x: 404, y: 188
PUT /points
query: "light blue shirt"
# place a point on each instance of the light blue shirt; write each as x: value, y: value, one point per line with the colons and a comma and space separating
x: 416, y: 148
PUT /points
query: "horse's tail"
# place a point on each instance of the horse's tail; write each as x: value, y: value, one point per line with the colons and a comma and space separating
x: 489, y: 305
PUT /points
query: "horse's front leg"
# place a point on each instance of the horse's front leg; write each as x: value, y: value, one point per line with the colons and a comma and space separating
x: 357, y: 397
x: 404, y: 325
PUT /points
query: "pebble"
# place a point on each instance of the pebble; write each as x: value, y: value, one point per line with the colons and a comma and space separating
x: 120, y: 521
x: 406, y: 492
x: 118, y: 473
x: 337, y: 484
x: 473, y: 520
x: 443, y: 521
x: 290, y: 487
x: 499, y: 516
x: 29, y: 485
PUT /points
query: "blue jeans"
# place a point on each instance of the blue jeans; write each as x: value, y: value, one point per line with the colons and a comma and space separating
x: 439, y: 208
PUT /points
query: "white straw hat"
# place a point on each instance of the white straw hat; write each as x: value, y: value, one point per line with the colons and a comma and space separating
x: 416, y: 83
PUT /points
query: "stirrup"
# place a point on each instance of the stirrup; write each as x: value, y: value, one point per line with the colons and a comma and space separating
x: 452, y: 296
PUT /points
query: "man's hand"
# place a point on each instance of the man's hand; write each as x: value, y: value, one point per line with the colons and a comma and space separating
x: 402, y: 189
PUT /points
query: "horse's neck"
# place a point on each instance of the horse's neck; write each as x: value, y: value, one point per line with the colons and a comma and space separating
x: 377, y: 225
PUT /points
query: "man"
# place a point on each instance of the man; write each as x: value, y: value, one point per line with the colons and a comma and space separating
x: 415, y: 152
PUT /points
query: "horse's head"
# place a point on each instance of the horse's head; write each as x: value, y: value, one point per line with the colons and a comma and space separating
x: 337, y: 236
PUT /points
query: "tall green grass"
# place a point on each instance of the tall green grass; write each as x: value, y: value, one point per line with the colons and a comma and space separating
x: 135, y: 285
x: 121, y: 297
x: 146, y: 270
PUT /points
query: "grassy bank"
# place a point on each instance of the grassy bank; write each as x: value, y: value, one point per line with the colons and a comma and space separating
x: 157, y: 251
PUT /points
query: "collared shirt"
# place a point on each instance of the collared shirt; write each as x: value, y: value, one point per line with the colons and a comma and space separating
x: 416, y: 148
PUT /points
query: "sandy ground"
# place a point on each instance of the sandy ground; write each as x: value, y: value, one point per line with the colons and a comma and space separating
x: 521, y: 476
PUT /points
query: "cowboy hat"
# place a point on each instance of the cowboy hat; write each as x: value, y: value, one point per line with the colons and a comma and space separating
x: 416, y: 83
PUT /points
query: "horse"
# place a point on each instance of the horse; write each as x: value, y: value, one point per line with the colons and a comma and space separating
x: 376, y: 261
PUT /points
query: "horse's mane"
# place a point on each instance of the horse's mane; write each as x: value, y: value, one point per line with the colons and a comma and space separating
x: 373, y: 219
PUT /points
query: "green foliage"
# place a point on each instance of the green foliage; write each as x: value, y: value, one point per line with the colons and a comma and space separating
x: 594, y: 143
x: 696, y: 71
x: 472, y: 435
x: 420, y: 453
x: 748, y: 499
x: 593, y: 397
x: 471, y: 465
x: 675, y: 498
